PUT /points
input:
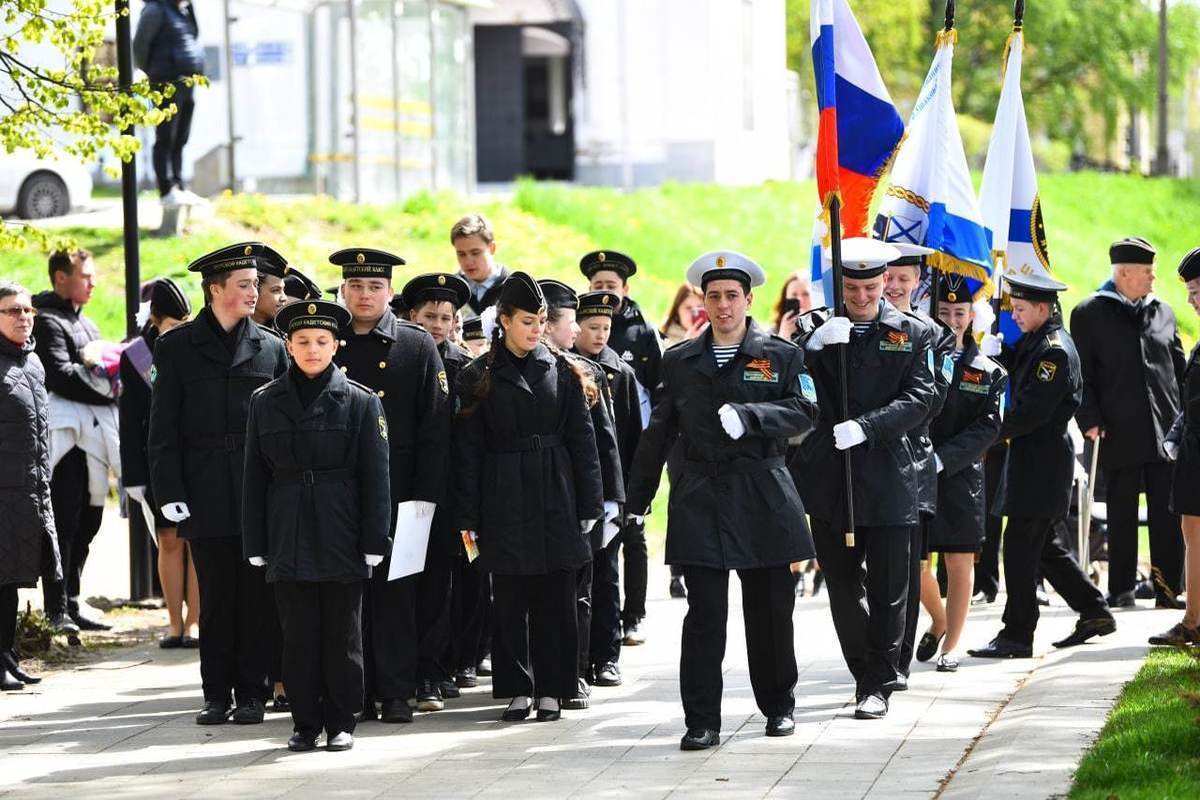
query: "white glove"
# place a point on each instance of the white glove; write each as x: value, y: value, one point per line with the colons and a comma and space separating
x: 424, y: 508
x: 731, y: 421
x: 137, y: 493
x: 937, y: 461
x: 586, y: 525
x: 257, y: 561
x: 984, y: 316
x: 1171, y: 449
x: 373, y: 561
x: 835, y: 330
x: 992, y: 344
x: 638, y: 519
x: 848, y: 434
x: 611, y: 510
x: 611, y: 529
x: 487, y: 321
x: 176, y: 512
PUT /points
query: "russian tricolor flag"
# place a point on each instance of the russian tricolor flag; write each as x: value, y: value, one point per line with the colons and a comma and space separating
x: 859, y: 126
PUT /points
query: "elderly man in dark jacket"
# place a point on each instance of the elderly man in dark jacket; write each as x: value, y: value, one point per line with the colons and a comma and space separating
x: 729, y: 400
x: 28, y: 545
x: 1132, y: 363
x: 204, y: 373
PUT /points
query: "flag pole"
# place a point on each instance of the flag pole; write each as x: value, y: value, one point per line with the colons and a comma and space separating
x: 835, y: 252
x: 1000, y: 257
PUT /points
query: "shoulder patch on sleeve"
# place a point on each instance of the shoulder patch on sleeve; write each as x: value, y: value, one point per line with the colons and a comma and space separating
x: 807, y: 388
x: 383, y: 427
x: 947, y: 368
x: 929, y: 362
x: 1046, y: 370
x: 444, y: 382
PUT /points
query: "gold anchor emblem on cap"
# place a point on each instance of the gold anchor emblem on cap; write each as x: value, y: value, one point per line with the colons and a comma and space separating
x: 604, y: 299
x: 720, y: 262
x: 360, y: 258
x: 248, y: 250
x: 951, y: 297
x: 600, y: 257
x: 286, y: 269
x: 312, y: 308
x: 441, y: 280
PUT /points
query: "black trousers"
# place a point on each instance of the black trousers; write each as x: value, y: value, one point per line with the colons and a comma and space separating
x: 8, y: 617
x: 77, y: 523
x: 434, y: 620
x: 235, y: 620
x: 987, y: 567
x: 471, y: 602
x: 869, y: 609
x: 390, y: 640
x: 605, y: 633
x: 912, y: 609
x: 1166, y: 543
x: 170, y: 137
x: 637, y: 570
x: 768, y: 599
x: 535, y: 642
x: 322, y: 654
x: 1033, y: 548
x: 273, y: 646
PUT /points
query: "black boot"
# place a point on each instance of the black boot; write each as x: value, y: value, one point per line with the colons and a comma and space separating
x: 8, y: 683
x: 9, y: 660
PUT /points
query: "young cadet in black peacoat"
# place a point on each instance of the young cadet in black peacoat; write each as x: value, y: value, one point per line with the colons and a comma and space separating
x: 729, y: 400
x: 529, y: 490
x: 316, y: 509
x: 204, y: 373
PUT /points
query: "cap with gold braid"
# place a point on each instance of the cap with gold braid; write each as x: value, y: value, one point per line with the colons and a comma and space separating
x: 725, y: 265
x: 363, y: 262
x: 441, y: 287
x: 610, y: 260
x: 320, y: 314
x: 246, y: 255
x: 597, y: 304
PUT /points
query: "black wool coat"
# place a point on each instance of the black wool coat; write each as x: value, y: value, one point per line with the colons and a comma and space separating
x: 890, y: 380
x: 962, y: 434
x: 927, y: 478
x: 445, y: 543
x: 1133, y: 363
x: 528, y: 471
x: 732, y: 503
x: 636, y: 342
x: 198, y: 411
x: 1185, y: 433
x: 28, y: 542
x: 626, y: 405
x: 316, y: 495
x: 1046, y: 390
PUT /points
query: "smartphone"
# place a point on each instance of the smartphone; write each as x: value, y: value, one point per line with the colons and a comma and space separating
x: 791, y: 305
x: 699, y: 316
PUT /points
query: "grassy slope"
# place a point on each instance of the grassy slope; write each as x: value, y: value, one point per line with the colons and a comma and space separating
x: 1150, y: 746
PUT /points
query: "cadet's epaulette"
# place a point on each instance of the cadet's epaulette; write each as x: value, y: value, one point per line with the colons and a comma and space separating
x: 268, y: 329
x: 1053, y: 341
x: 176, y: 329
x: 672, y: 347
x: 362, y: 386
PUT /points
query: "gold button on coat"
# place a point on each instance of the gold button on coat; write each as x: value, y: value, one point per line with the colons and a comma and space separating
x: 379, y: 393
x: 383, y: 365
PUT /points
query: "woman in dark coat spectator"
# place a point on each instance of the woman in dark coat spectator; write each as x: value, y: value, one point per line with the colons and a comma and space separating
x: 169, y: 306
x: 28, y: 543
x: 529, y: 491
x: 316, y: 513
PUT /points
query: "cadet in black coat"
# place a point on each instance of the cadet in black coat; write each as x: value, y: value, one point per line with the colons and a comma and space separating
x: 1183, y: 447
x: 961, y: 434
x: 397, y: 360
x: 316, y: 512
x: 1035, y: 489
x: 204, y: 372
x: 727, y: 403
x: 432, y: 301
x: 1132, y: 363
x: 890, y: 380
x: 168, y: 307
x: 529, y: 490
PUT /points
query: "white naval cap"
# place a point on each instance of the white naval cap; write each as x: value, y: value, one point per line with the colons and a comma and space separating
x: 864, y: 258
x: 725, y: 264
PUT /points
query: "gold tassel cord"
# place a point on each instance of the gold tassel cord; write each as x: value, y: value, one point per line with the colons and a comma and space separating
x: 945, y: 37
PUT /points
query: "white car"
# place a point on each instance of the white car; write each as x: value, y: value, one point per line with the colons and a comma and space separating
x: 35, y: 188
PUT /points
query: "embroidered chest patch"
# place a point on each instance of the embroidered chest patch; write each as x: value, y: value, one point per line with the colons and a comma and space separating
x: 1046, y: 370
x: 973, y: 382
x: 896, y: 342
x: 759, y: 370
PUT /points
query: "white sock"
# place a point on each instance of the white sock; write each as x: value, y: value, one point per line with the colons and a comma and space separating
x: 519, y: 702
x: 548, y: 703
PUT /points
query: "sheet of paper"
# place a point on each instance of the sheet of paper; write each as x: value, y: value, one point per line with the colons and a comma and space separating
x: 410, y: 540
x: 611, y: 529
x: 148, y: 516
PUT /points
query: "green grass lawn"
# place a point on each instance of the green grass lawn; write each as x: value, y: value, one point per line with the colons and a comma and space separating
x: 1150, y: 746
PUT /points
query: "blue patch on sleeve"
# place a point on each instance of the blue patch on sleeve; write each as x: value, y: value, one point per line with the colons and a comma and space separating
x: 947, y: 368
x: 807, y: 388
x: 929, y: 361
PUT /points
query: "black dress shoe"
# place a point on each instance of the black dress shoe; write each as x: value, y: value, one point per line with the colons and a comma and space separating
x: 871, y: 706
x: 1165, y: 601
x: 900, y: 684
x: 1121, y: 600
x: 700, y: 739
x: 782, y: 725
x: 63, y: 624
x: 369, y: 712
x: 89, y: 624
x: 213, y: 713
x: 679, y: 592
x: 607, y: 674
x: 484, y: 667
x: 548, y: 710
x: 580, y: 701
x: 280, y: 704
x: 395, y: 711
x: 302, y: 743
x: 633, y: 635
x: 8, y: 683
x: 1042, y: 598
x: 517, y: 711
x: 340, y: 742
x: 170, y: 642
x: 983, y: 598
x: 1002, y: 648
x: 928, y: 646
x: 465, y: 678
x: 9, y: 660
x: 1087, y: 628
x: 947, y: 663
x: 191, y: 643
x: 250, y: 712
x: 429, y: 697
x: 1179, y: 635
x: 449, y: 690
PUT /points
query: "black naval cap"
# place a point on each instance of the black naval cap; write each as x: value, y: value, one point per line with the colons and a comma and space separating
x: 166, y: 299
x: 472, y: 330
x: 558, y: 294
x: 1189, y: 267
x: 521, y: 291
x: 246, y: 255
x: 1034, y: 288
x: 320, y: 314
x: 598, y: 304
x: 1133, y: 250
x: 363, y: 262
x: 299, y: 286
x: 952, y: 288
x: 440, y: 287
x: 599, y: 260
